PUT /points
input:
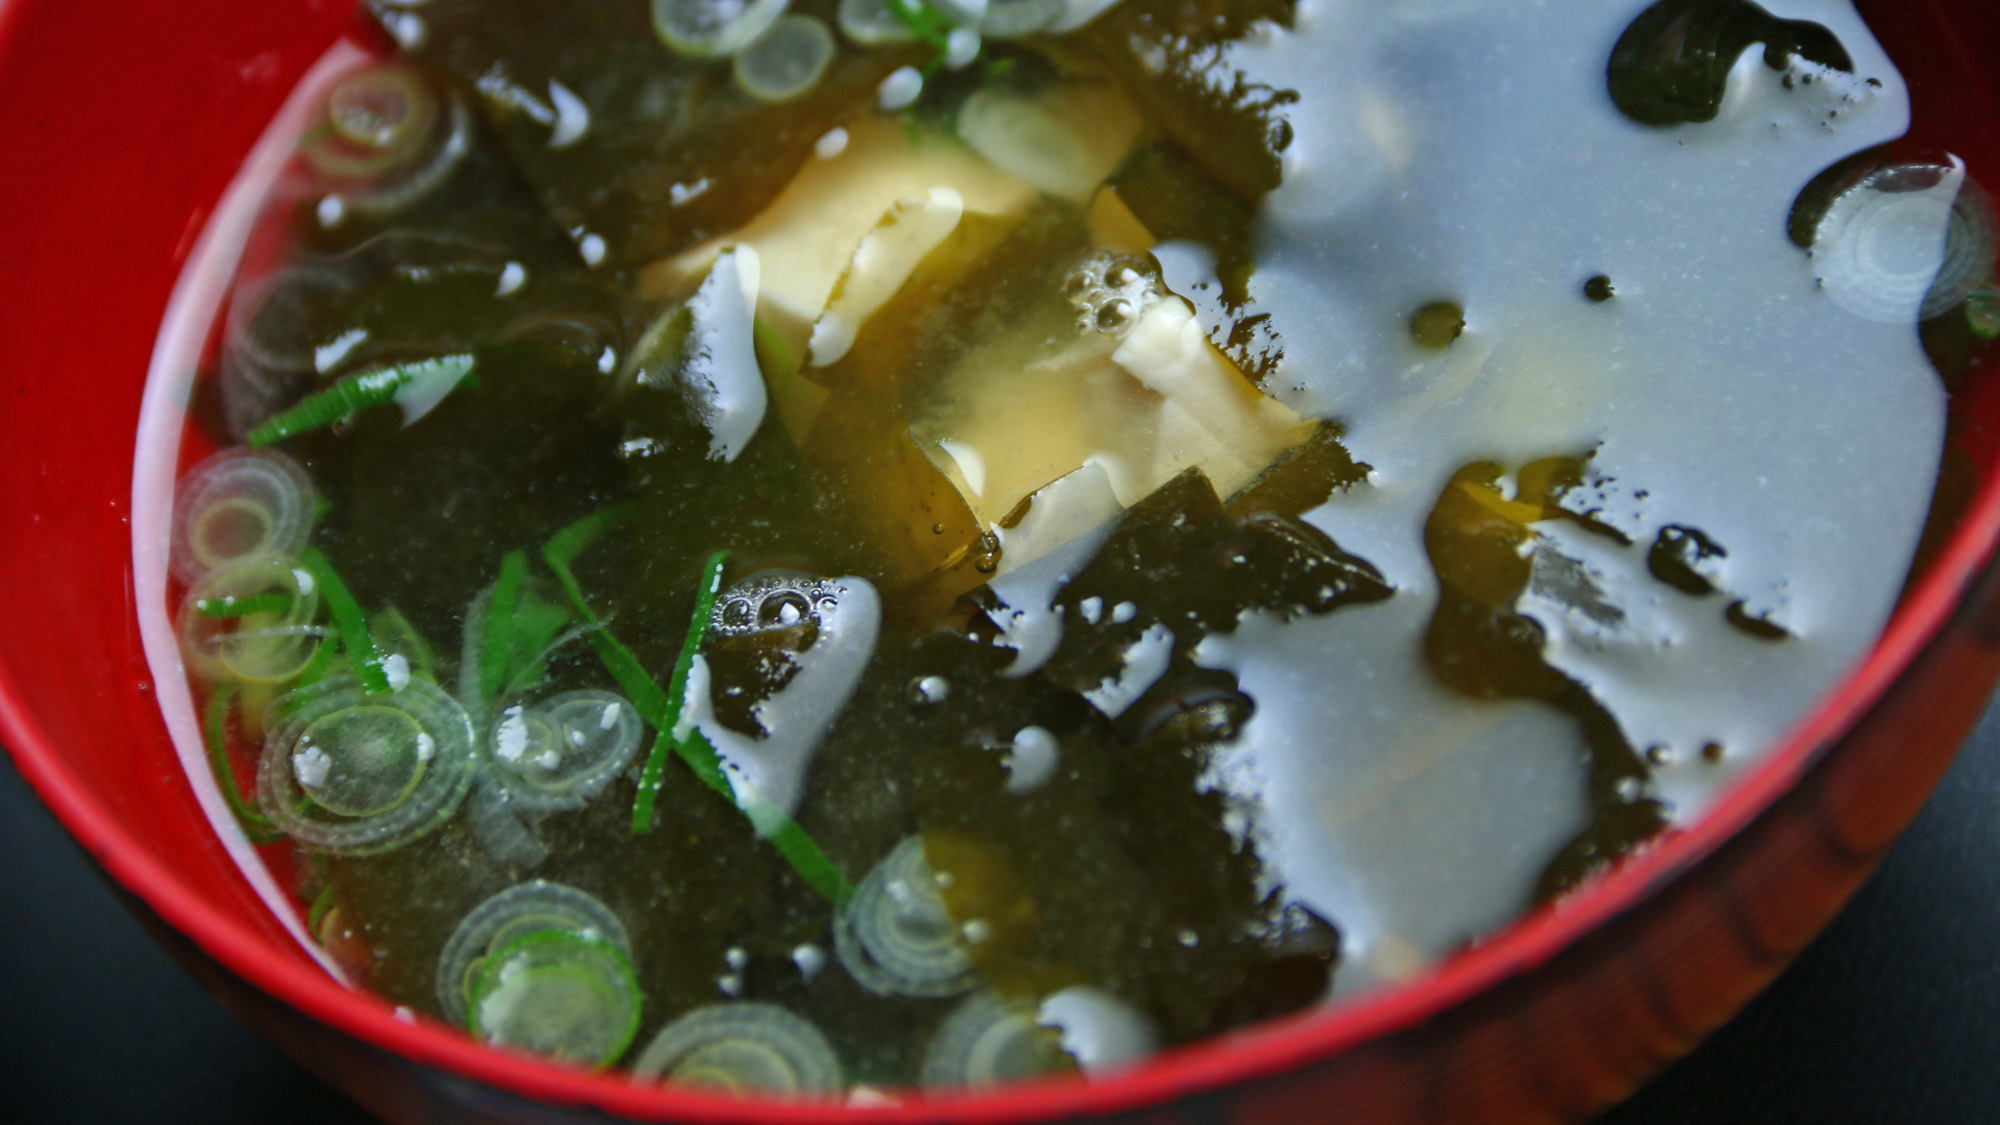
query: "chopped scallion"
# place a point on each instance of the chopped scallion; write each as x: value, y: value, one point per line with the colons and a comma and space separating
x: 926, y: 22
x: 394, y: 632
x: 495, y: 655
x: 661, y: 709
x: 215, y: 735
x: 702, y: 757
x: 243, y: 607
x: 416, y: 387
x: 320, y: 905
x: 362, y: 652
x: 322, y: 659
x: 539, y: 630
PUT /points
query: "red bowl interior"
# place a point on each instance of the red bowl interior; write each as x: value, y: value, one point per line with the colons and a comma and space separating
x: 122, y: 134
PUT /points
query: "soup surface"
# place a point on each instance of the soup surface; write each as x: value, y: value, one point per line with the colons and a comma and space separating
x: 827, y: 548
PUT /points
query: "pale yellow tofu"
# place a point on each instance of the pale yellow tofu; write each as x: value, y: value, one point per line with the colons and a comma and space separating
x: 1170, y: 354
x: 1065, y: 139
x: 884, y: 260
x: 808, y: 236
x: 1144, y: 409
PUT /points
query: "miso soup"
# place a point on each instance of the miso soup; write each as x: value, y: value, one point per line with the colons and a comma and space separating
x: 812, y: 548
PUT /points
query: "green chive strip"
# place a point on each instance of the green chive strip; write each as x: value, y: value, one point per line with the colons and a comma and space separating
x: 926, y: 22
x: 704, y: 754
x: 395, y: 632
x: 322, y: 659
x: 653, y: 704
x: 540, y: 628
x: 243, y: 607
x: 421, y: 384
x: 320, y: 905
x: 215, y: 735
x: 662, y: 710
x: 792, y: 841
x: 496, y: 652
x: 362, y: 653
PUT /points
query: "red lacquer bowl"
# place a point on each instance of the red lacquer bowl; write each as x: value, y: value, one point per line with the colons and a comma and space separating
x: 121, y: 129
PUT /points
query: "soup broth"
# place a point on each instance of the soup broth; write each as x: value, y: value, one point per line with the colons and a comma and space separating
x: 832, y: 547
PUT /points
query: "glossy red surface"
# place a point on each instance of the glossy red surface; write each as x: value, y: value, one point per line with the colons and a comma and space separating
x: 121, y: 133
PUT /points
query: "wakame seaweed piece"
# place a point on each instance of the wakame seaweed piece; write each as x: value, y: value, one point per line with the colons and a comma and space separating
x: 1115, y: 869
x: 673, y: 153
x: 421, y: 514
x: 1672, y: 63
x: 772, y: 506
x: 1175, y: 198
x: 1187, y: 564
x: 1089, y: 873
x: 415, y: 387
x: 400, y: 296
x: 1830, y: 184
x: 1478, y: 644
x: 1680, y: 558
x: 461, y: 186
x: 1304, y: 478
x: 1170, y: 58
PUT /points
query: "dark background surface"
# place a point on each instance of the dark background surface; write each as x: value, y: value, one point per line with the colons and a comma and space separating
x: 1892, y: 1016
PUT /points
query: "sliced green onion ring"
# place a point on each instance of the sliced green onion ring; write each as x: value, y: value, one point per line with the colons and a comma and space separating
x: 741, y: 1049
x: 787, y: 60
x: 352, y: 773
x: 239, y: 504
x: 712, y: 28
x: 896, y: 936
x: 558, y: 994
x: 265, y: 646
x: 1011, y: 19
x: 387, y: 137
x: 873, y: 23
x: 382, y: 756
x: 1906, y: 243
x: 990, y: 1040
x: 376, y: 118
x: 515, y: 912
x: 1098, y: 1030
x: 562, y: 751
x: 397, y: 635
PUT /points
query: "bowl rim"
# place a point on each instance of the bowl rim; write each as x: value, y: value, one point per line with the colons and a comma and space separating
x: 1234, y: 1059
